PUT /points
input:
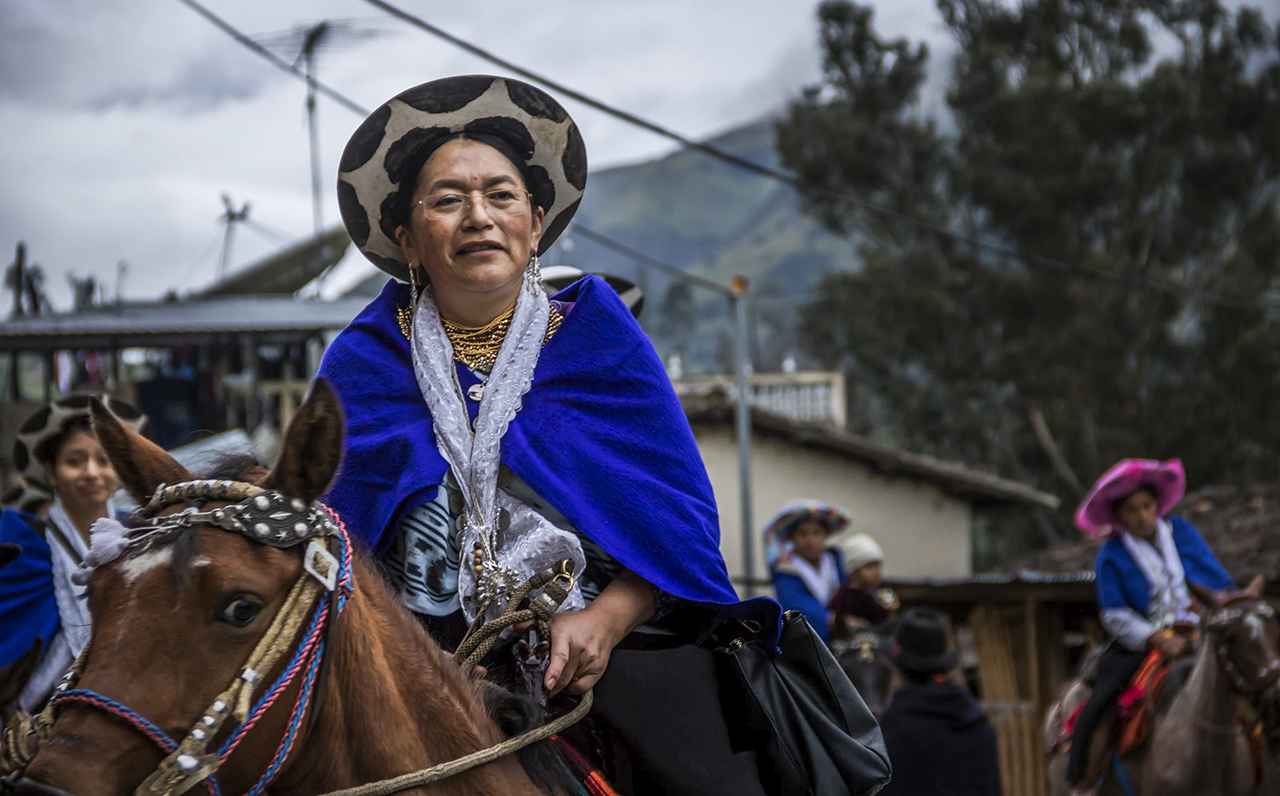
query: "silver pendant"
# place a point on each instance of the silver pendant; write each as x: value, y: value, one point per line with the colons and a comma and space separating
x: 475, y: 392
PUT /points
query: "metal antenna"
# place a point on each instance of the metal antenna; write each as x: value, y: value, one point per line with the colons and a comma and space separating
x: 230, y: 216
x: 315, y: 34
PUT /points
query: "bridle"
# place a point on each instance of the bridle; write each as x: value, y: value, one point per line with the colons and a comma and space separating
x: 1226, y: 618
x: 320, y: 592
x: 315, y: 599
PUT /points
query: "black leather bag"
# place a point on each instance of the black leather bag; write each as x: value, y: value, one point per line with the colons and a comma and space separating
x: 813, y: 734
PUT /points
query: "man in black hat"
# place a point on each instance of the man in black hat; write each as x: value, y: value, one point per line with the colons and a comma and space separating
x: 938, y: 737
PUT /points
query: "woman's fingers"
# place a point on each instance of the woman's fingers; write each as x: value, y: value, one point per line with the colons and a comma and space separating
x: 589, y: 675
x: 563, y: 666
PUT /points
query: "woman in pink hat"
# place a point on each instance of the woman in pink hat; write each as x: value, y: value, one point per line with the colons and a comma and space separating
x: 1142, y: 574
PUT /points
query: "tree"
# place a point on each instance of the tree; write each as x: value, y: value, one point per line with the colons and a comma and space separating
x: 1136, y: 182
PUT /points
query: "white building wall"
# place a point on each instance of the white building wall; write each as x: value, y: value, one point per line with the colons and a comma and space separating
x: 924, y: 531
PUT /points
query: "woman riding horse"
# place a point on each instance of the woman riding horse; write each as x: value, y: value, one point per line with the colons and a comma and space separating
x: 806, y: 571
x: 1142, y: 575
x: 65, y: 484
x: 493, y: 433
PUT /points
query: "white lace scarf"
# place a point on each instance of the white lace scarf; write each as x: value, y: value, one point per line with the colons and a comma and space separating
x: 1162, y: 567
x: 530, y: 543
x: 73, y: 608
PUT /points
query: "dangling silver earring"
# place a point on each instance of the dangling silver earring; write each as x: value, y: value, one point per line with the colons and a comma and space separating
x: 405, y: 314
x: 534, y: 269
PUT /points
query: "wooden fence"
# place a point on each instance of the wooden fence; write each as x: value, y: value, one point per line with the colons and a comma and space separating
x: 1022, y: 758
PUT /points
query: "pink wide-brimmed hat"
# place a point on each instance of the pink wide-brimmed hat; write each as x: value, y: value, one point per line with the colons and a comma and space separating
x: 1168, y: 480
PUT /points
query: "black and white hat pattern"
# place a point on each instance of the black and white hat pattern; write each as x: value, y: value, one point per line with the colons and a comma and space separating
x: 558, y: 277
x: 51, y: 420
x: 382, y: 149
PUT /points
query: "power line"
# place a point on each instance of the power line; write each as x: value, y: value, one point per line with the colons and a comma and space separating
x: 644, y: 259
x: 794, y: 182
x: 1047, y: 263
x: 280, y: 63
x: 352, y: 105
x: 600, y: 105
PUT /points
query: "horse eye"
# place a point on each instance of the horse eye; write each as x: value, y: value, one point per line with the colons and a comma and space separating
x: 240, y: 611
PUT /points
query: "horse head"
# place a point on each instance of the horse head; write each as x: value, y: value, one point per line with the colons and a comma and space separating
x: 866, y: 659
x: 1245, y: 634
x: 180, y: 608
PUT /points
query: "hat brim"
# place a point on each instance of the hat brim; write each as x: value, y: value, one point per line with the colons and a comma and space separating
x: 52, y: 419
x: 923, y: 664
x: 628, y: 291
x: 1096, y: 514
x: 380, y: 153
x: 834, y: 518
x: 27, y: 497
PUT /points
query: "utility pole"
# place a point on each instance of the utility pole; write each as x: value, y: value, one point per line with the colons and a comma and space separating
x: 122, y: 268
x: 314, y: 35
x: 742, y: 412
x: 19, y: 278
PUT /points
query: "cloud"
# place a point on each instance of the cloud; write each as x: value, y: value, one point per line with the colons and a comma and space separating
x: 124, y: 122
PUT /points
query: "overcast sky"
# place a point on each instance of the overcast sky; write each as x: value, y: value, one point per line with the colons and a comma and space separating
x: 122, y: 123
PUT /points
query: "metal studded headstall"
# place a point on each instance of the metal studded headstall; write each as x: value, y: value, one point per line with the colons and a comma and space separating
x: 260, y: 515
x: 1226, y: 617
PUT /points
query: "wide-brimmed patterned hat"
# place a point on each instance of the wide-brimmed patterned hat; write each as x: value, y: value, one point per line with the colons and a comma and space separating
x: 25, y: 496
x: 1168, y: 480
x: 53, y: 419
x: 792, y: 514
x: 381, y: 153
x: 558, y: 277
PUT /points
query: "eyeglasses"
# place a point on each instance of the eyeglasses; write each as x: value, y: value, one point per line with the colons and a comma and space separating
x: 502, y: 201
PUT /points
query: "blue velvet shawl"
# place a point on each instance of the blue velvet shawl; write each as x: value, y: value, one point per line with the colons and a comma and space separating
x: 601, y: 436
x: 28, y: 608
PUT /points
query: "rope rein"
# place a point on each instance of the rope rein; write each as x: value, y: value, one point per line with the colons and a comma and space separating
x: 474, y: 760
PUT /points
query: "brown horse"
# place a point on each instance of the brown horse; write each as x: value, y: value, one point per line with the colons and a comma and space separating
x: 173, y: 625
x: 1196, y: 744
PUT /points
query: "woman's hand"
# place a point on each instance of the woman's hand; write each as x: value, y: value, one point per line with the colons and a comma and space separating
x: 582, y: 641
x: 1170, y: 644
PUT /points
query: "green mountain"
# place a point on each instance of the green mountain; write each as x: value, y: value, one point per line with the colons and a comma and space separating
x: 714, y: 220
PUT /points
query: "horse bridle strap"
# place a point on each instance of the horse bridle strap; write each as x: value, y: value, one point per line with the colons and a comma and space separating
x: 1225, y: 617
x: 267, y: 517
x: 192, y: 761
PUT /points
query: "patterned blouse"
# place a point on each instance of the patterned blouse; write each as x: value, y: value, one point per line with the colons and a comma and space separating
x: 422, y: 563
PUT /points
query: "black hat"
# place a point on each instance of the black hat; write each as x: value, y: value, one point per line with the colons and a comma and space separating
x: 920, y: 643
x: 384, y: 152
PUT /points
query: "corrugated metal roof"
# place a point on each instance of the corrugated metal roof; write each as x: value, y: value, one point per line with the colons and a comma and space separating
x: 159, y: 322
x: 1022, y: 577
x: 286, y: 271
x: 956, y: 478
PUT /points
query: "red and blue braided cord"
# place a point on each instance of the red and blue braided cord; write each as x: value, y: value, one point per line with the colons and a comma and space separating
x: 313, y: 635
x: 308, y: 655
x: 128, y: 715
x: 295, y: 721
x: 313, y: 641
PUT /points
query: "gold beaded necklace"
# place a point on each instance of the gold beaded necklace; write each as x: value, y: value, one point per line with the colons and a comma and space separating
x: 477, y: 346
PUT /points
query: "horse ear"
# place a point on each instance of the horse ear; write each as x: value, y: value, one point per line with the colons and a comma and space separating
x: 312, y: 446
x: 1209, y: 597
x: 1256, y: 587
x: 141, y: 464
